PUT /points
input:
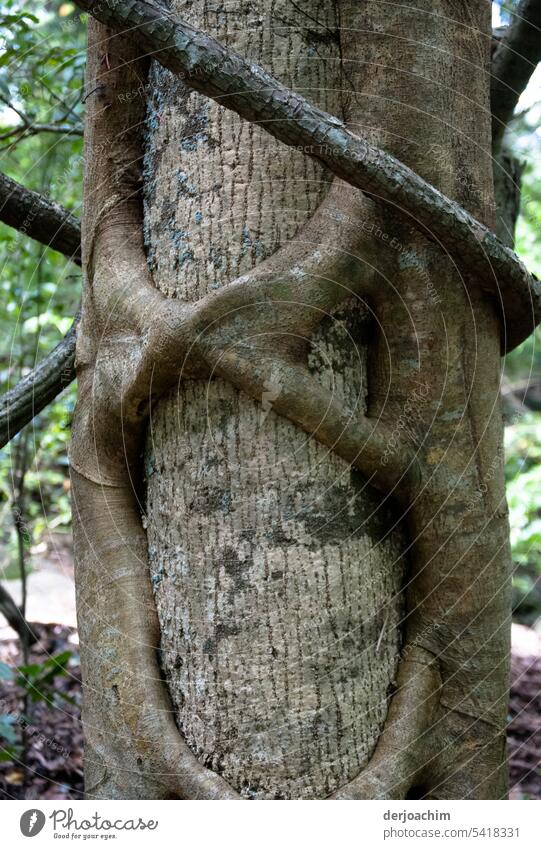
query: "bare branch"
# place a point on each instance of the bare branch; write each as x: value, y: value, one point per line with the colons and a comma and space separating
x: 30, y: 128
x: 41, y: 219
x: 25, y: 130
x: 59, y: 129
x: 35, y: 391
x: 15, y: 617
x: 515, y: 59
x: 219, y: 73
x: 47, y: 222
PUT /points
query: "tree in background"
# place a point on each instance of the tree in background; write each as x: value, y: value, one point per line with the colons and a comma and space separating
x: 287, y: 456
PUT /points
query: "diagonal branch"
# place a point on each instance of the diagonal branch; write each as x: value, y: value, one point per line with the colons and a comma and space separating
x: 217, y: 72
x: 24, y: 131
x: 15, y: 618
x: 362, y: 442
x: 513, y: 63
x: 41, y: 219
x: 35, y: 391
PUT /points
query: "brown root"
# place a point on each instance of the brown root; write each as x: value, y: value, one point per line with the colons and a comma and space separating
x: 402, y: 751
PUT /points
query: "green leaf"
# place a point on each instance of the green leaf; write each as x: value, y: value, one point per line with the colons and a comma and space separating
x: 8, y: 753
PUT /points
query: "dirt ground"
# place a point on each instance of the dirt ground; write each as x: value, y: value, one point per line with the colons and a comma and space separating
x: 524, y: 730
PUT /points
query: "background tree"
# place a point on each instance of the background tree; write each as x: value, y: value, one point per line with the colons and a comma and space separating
x: 299, y: 582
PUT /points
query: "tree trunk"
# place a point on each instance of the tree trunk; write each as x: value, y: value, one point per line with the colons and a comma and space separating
x: 277, y: 571
x: 281, y: 576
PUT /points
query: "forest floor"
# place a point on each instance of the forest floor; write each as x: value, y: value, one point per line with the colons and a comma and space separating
x: 54, y: 760
x: 54, y: 735
x: 524, y: 729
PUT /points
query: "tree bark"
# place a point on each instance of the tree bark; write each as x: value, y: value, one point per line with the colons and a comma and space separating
x: 277, y: 569
x: 332, y: 619
x: 38, y: 217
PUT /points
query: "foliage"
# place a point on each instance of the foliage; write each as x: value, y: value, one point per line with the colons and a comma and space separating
x: 38, y: 678
x: 41, y: 76
x: 523, y: 474
x: 523, y: 374
x: 38, y: 682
